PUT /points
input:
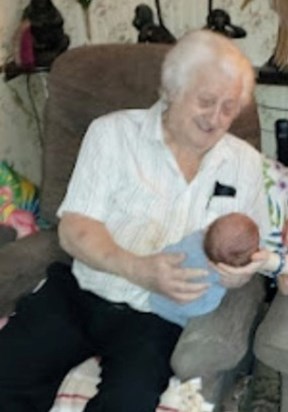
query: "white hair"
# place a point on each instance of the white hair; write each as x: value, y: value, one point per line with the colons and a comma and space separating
x: 201, y: 49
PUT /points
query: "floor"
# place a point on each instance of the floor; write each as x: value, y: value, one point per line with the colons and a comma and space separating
x: 259, y: 392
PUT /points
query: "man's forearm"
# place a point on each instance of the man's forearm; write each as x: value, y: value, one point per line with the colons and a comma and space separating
x: 89, y: 241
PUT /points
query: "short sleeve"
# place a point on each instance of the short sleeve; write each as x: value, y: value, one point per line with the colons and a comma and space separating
x: 94, y: 177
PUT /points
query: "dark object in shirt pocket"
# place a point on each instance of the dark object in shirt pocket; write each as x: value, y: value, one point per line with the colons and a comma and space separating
x: 224, y: 190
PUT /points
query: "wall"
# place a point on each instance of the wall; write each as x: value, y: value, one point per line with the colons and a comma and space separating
x: 110, y: 21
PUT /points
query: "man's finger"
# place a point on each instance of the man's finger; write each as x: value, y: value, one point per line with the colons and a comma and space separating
x: 190, y: 288
x: 175, y: 258
x: 186, y: 297
x: 193, y: 275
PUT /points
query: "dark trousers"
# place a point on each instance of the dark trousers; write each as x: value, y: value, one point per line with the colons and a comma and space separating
x: 60, y: 326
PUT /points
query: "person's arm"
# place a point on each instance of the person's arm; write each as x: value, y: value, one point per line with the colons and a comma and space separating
x: 283, y: 279
x: 285, y: 233
x: 89, y: 241
x: 88, y: 204
x: 263, y: 260
x: 271, y: 261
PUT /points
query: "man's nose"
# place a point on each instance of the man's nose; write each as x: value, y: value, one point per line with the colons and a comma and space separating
x: 216, y: 116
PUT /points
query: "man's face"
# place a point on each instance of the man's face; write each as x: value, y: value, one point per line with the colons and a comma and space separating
x: 200, y: 116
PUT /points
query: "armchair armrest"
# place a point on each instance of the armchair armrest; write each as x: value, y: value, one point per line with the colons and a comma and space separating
x: 219, y: 340
x: 7, y: 234
x: 271, y: 339
x: 23, y: 263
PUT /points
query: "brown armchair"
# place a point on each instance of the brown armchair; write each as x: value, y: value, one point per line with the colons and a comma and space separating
x: 84, y: 83
x: 271, y: 343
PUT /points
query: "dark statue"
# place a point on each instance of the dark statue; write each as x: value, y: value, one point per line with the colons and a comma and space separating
x: 219, y: 20
x: 149, y: 32
x: 46, y: 23
x: 39, y: 39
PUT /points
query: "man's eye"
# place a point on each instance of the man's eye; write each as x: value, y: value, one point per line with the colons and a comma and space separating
x: 229, y: 109
x: 206, y: 102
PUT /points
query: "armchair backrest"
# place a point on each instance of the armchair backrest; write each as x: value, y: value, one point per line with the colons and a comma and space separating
x: 89, y: 81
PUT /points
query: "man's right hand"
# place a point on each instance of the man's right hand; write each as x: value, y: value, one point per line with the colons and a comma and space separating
x: 162, y: 273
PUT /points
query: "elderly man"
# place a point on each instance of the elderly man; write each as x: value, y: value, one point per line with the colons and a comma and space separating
x: 143, y: 180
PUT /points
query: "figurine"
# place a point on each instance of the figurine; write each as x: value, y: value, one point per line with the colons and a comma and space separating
x: 47, y: 32
x: 149, y: 32
x: 219, y: 20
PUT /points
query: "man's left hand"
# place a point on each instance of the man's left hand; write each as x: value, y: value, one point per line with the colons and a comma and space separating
x: 235, y: 277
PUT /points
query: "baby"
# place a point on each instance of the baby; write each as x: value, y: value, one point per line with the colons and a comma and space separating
x: 231, y: 239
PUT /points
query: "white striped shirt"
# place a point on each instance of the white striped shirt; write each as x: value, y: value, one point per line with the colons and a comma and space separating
x: 127, y: 178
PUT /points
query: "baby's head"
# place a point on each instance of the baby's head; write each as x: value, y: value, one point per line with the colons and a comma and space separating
x: 232, y: 239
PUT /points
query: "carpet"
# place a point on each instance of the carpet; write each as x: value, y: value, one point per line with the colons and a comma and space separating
x: 258, y: 392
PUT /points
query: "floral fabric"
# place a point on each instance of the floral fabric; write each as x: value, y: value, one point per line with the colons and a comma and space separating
x: 275, y: 177
x: 19, y: 202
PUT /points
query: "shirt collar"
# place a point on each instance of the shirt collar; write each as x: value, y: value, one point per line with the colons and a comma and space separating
x: 152, y: 125
x: 221, y: 152
x: 152, y: 129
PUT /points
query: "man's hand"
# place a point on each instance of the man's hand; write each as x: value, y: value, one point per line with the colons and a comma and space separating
x: 235, y: 277
x: 162, y: 273
x: 267, y: 260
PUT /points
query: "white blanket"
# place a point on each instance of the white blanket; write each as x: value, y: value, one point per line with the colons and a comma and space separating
x: 81, y: 384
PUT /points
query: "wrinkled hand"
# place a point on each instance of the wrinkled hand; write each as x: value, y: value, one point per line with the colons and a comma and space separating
x: 162, y: 273
x: 234, y: 277
x: 266, y: 259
